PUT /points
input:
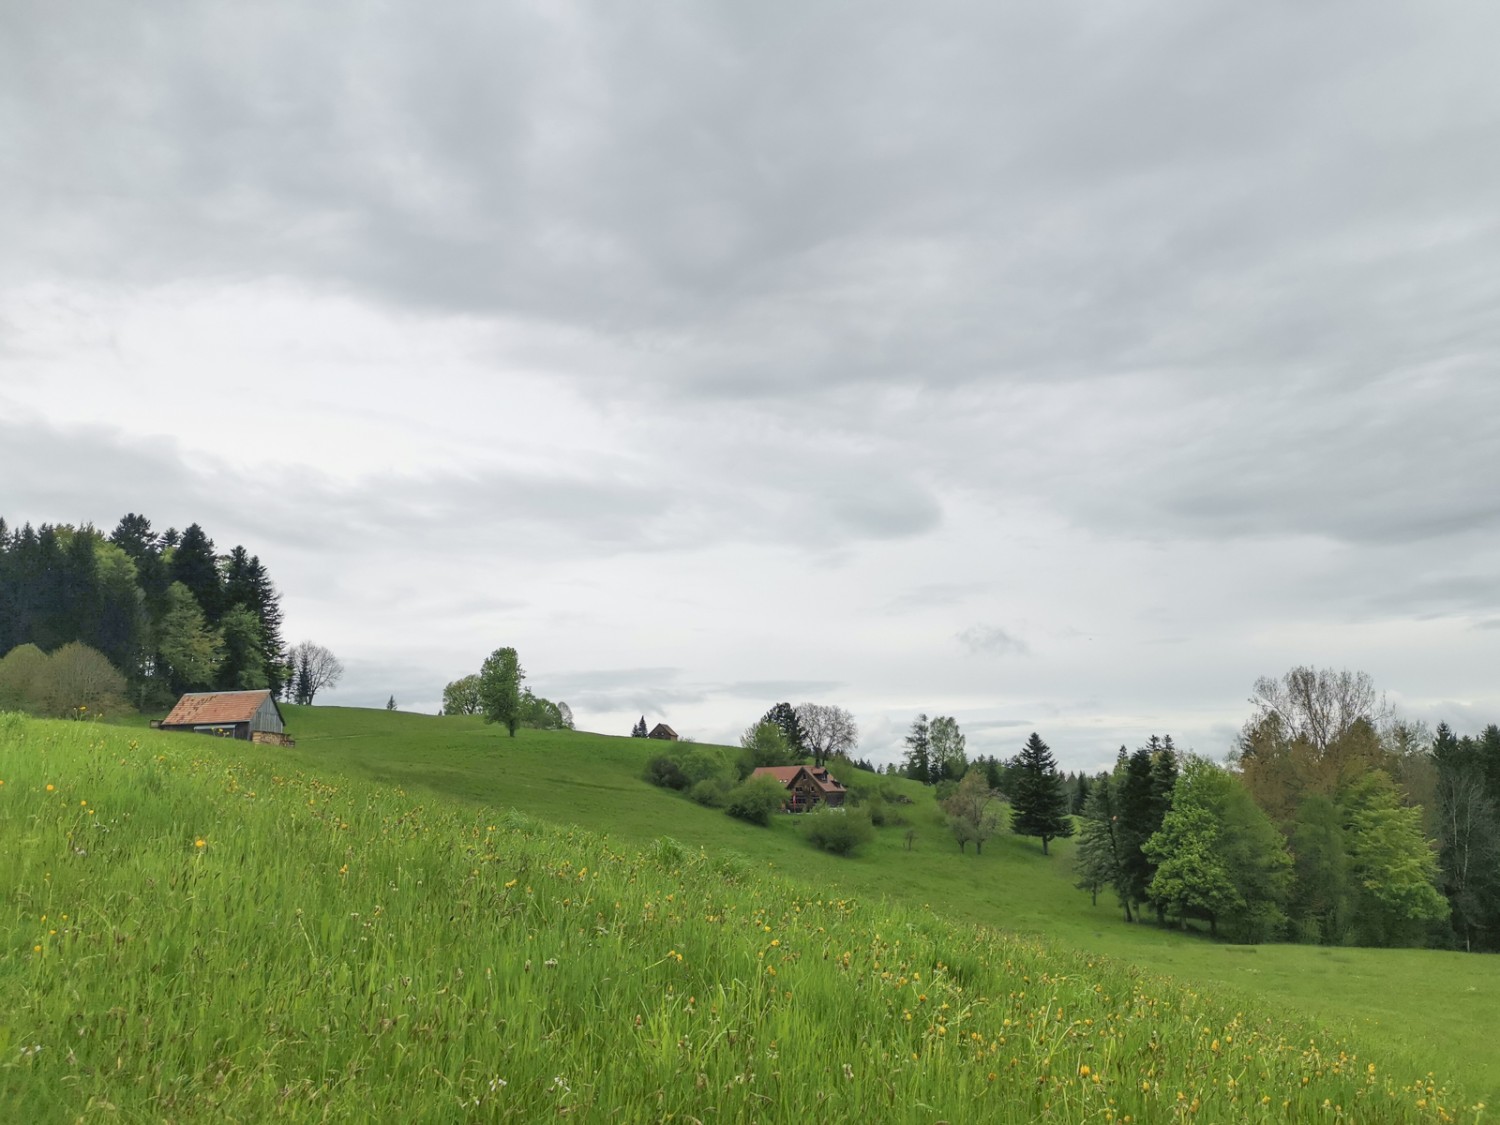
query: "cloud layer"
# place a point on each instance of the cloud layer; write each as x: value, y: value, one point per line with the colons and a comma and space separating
x: 1054, y: 361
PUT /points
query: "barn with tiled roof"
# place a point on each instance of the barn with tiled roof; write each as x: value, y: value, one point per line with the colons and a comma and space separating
x: 228, y: 714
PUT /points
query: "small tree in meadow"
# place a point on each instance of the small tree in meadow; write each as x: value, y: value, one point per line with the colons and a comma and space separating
x: 500, y: 688
x: 973, y: 811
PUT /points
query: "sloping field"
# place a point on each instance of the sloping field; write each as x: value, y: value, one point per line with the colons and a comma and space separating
x: 196, y: 929
x: 1432, y: 1010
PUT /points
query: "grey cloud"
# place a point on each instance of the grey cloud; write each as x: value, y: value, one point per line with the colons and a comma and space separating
x: 1441, y: 594
x: 992, y: 640
x: 936, y: 595
x: 780, y: 691
x: 1061, y: 197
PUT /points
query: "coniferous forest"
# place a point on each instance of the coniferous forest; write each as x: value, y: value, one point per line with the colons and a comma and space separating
x: 166, y: 612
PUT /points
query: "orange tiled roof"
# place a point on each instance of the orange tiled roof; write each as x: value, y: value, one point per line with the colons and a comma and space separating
x: 783, y: 774
x: 207, y: 708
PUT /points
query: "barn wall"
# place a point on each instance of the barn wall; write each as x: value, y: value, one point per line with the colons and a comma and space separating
x: 267, y: 718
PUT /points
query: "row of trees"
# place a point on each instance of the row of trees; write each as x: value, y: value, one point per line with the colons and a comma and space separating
x: 166, y: 610
x: 1319, y: 829
x: 497, y: 692
x: 1035, y: 793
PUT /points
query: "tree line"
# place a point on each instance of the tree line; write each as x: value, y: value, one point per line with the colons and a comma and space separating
x: 165, y: 613
x: 1333, y: 822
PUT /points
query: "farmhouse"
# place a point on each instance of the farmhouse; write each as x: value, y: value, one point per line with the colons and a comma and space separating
x: 250, y: 716
x: 661, y: 730
x: 806, y: 786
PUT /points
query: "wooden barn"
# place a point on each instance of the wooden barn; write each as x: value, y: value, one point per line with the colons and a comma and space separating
x: 806, y: 786
x: 250, y: 716
x: 661, y: 730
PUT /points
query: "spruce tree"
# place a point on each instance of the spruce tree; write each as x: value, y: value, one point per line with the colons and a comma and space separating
x: 1039, y: 807
x: 193, y: 564
x: 639, y: 730
x: 918, y: 764
x: 783, y: 716
x: 1137, y: 819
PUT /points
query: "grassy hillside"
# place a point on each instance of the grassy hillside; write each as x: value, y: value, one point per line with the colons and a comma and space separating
x: 195, y: 928
x: 1432, y: 1010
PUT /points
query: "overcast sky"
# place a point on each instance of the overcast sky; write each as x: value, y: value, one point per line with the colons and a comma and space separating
x: 1059, y: 367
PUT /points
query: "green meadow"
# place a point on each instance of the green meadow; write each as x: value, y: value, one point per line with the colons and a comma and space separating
x: 414, y: 918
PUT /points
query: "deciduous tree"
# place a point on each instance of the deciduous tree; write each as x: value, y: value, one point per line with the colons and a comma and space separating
x: 973, y: 811
x: 314, y: 668
x: 946, y: 747
x: 500, y: 681
x: 461, y: 697
x: 827, y: 730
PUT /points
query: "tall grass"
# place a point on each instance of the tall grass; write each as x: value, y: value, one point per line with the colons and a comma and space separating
x: 189, y: 933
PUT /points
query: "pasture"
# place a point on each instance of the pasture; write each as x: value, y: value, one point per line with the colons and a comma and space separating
x: 197, y: 929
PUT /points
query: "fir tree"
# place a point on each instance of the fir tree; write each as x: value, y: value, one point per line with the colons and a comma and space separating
x: 918, y: 763
x: 193, y: 564
x: 1039, y: 805
x: 783, y: 716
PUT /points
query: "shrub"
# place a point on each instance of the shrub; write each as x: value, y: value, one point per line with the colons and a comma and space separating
x: 664, y: 771
x: 837, y: 830
x: 21, y: 672
x: 710, y: 793
x: 756, y: 800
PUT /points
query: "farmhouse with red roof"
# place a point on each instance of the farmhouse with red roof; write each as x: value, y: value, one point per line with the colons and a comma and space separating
x: 806, y: 786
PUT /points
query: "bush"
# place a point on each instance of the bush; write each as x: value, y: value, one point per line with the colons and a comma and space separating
x: 837, y: 830
x: 710, y: 793
x: 756, y: 800
x: 664, y: 771
x: 75, y: 682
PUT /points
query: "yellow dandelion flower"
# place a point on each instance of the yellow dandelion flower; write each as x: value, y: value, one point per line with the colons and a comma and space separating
x: 50, y: 787
x: 200, y: 842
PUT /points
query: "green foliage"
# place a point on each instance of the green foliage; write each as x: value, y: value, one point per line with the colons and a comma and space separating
x: 689, y: 767
x: 500, y: 689
x: 841, y: 831
x: 1392, y: 866
x: 1100, y: 858
x: 461, y: 697
x: 917, y: 763
x: 75, y: 682
x: 1219, y: 857
x: 60, y: 584
x: 242, y: 666
x: 1039, y: 807
x: 639, y: 730
x: 783, y: 716
x: 764, y: 745
x: 664, y: 771
x: 712, y: 793
x: 190, y: 651
x: 541, y: 714
x: 21, y: 671
x: 973, y: 810
x: 756, y: 800
x: 946, y: 749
